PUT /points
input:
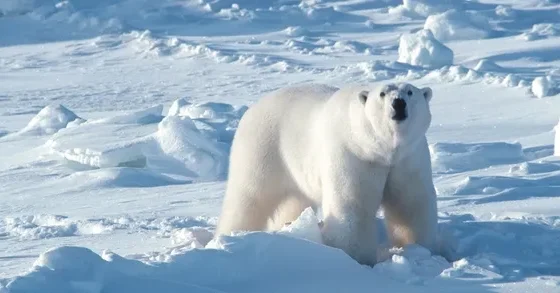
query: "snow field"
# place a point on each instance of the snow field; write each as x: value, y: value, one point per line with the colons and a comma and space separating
x: 95, y: 199
x: 199, y: 264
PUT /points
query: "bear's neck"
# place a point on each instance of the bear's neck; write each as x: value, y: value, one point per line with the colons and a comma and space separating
x: 382, y: 146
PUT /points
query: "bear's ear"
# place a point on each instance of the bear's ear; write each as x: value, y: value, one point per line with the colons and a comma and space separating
x: 363, y: 96
x: 427, y: 92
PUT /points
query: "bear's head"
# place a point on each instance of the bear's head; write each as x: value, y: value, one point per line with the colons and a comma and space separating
x: 398, y: 113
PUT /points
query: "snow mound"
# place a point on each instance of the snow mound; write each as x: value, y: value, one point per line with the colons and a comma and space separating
x: 504, y: 11
x: 457, y: 25
x: 528, y: 168
x: 207, y: 110
x: 511, y: 80
x: 306, y: 226
x: 179, y: 138
x: 344, y: 46
x: 487, y: 65
x: 49, y: 120
x: 427, y: 7
x: 460, y: 157
x: 295, y: 31
x: 541, y: 86
x: 423, y: 49
x: 176, y: 106
x: 217, y: 121
x: 541, y: 31
x: 196, y: 237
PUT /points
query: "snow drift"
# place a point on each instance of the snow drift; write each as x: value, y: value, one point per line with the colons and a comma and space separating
x: 245, y: 262
x: 192, y: 141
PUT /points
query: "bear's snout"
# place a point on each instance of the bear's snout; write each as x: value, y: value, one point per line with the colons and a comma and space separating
x: 399, y: 105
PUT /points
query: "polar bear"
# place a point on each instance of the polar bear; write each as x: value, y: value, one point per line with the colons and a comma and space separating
x: 347, y: 151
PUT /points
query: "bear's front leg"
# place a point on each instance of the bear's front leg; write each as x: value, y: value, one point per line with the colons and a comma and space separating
x: 410, y: 203
x: 351, y: 198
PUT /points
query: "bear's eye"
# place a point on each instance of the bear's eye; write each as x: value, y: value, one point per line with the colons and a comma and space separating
x: 382, y: 94
x: 409, y: 93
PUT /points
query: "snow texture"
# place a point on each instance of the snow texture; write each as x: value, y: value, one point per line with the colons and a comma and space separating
x: 116, y: 120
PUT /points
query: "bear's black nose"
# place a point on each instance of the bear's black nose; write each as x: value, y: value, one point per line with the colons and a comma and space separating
x: 399, y: 104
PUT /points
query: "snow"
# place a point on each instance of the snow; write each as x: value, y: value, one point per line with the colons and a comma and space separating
x: 557, y: 139
x: 423, y: 49
x: 542, y: 30
x: 180, y: 139
x: 488, y: 65
x: 427, y: 7
x: 49, y: 120
x: 541, y: 86
x: 116, y: 119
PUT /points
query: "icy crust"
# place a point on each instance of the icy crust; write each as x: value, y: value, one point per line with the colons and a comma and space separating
x: 45, y: 226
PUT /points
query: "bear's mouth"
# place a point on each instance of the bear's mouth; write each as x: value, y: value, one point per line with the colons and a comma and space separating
x: 399, y: 116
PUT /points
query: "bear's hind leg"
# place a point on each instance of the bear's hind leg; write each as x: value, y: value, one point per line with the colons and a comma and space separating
x: 289, y: 210
x: 246, y: 211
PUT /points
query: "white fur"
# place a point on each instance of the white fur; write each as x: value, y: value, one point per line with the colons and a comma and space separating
x: 338, y: 150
